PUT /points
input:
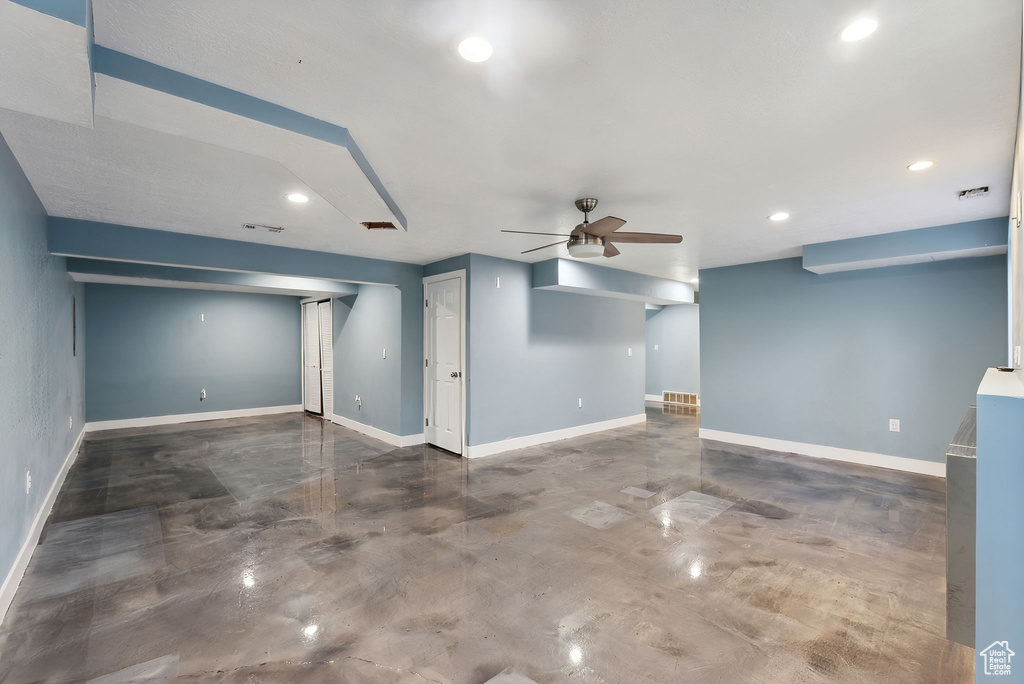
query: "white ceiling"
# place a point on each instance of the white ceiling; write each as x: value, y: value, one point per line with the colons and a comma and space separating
x: 692, y: 117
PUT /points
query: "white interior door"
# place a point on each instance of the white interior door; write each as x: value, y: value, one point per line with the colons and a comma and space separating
x: 326, y: 357
x: 311, y: 399
x: 443, y: 351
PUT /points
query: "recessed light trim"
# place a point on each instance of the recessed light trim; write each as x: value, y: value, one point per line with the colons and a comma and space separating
x: 859, y: 30
x: 475, y: 49
x: 921, y: 165
x: 297, y: 197
x: 778, y: 216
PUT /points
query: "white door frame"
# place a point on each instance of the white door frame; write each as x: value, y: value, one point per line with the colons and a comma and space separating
x: 461, y: 275
x: 302, y: 356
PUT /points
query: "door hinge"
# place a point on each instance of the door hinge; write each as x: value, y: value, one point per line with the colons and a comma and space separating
x: 425, y: 303
x: 426, y: 363
x: 426, y: 421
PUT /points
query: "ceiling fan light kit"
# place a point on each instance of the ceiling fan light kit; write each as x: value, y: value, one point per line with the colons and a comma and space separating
x: 589, y: 240
x: 585, y: 246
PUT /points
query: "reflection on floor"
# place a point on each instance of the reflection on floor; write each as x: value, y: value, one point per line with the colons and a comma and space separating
x: 281, y: 548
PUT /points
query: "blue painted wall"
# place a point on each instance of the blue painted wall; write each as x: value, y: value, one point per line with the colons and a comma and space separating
x: 364, y: 326
x: 828, y: 359
x: 148, y: 354
x: 43, y: 384
x: 534, y: 352
x: 675, y: 366
x: 1000, y: 555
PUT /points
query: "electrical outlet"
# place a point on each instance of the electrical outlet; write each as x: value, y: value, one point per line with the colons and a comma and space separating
x: 202, y: 394
x: 894, y: 425
x: 28, y: 481
x: 384, y: 354
x: 629, y: 351
x: 655, y: 347
x: 581, y: 402
x: 497, y: 282
x: 1016, y: 356
x: 71, y: 422
x: 202, y: 317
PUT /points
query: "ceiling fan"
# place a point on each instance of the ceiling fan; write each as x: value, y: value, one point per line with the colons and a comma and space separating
x: 589, y: 240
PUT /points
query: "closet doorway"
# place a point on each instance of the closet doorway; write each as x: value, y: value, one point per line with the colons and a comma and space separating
x: 318, y: 357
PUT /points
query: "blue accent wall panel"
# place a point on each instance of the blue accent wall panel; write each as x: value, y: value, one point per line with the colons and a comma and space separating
x: 1000, y: 554
x: 829, y: 359
x: 364, y: 326
x: 533, y: 353
x: 675, y: 366
x: 42, y: 382
x: 148, y: 353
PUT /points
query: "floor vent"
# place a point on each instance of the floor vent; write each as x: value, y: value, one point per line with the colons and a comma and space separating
x: 379, y: 225
x: 682, y: 398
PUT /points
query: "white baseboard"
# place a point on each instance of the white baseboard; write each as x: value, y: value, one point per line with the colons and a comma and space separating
x: 910, y: 465
x: 492, y: 448
x: 377, y: 433
x: 188, y: 417
x: 13, y: 579
x: 653, y: 397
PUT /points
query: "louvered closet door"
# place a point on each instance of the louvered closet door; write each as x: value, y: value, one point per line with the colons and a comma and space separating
x: 311, y: 358
x: 327, y: 358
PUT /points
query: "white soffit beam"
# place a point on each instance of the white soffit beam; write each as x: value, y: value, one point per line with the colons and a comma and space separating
x: 46, y: 68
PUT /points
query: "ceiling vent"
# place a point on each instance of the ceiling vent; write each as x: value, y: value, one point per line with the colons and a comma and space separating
x: 260, y: 226
x: 973, y: 193
x: 379, y: 225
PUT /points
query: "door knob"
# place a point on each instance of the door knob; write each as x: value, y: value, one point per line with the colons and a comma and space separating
x: 454, y: 374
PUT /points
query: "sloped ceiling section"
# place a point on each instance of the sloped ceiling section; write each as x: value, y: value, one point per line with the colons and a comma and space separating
x: 196, y: 156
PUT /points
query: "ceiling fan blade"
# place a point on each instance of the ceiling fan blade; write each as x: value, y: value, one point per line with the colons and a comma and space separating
x: 649, y: 238
x: 530, y: 232
x: 560, y: 242
x: 609, y: 250
x: 605, y: 226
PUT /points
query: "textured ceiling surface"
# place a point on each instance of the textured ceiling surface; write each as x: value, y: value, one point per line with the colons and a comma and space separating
x: 57, y: 86
x: 693, y: 117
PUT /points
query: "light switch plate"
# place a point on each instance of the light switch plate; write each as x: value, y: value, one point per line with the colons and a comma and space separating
x: 655, y: 347
x: 581, y: 402
x: 894, y: 425
x: 629, y: 351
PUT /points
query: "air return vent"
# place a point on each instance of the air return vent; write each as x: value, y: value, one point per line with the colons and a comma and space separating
x: 973, y: 193
x: 379, y: 225
x: 682, y: 398
x: 260, y: 226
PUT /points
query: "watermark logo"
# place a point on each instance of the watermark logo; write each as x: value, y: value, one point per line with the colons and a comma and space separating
x: 997, y: 658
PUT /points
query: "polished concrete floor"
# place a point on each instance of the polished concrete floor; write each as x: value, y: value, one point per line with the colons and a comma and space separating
x: 281, y: 548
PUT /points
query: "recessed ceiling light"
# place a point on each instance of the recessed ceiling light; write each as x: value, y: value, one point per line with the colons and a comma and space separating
x: 297, y: 197
x: 921, y: 165
x: 778, y: 216
x: 859, y: 30
x: 475, y: 49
